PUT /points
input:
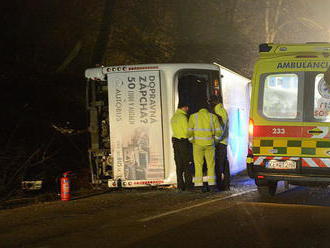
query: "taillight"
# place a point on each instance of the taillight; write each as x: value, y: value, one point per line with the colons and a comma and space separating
x: 251, y: 127
x: 216, y: 87
x: 216, y: 84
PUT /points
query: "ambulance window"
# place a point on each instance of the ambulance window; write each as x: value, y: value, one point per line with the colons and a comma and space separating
x: 280, y: 96
x: 321, y: 99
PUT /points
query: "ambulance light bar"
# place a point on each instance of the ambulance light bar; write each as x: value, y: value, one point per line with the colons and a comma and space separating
x: 265, y: 47
x: 317, y: 47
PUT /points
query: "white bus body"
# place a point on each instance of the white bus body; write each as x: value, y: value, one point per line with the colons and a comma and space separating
x: 130, y: 108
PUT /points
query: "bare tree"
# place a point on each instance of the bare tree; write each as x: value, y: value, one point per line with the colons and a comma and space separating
x: 142, y: 32
x: 272, y: 18
x: 15, y: 160
x: 284, y: 18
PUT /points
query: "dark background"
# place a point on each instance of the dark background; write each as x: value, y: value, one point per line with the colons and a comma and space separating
x: 47, y: 45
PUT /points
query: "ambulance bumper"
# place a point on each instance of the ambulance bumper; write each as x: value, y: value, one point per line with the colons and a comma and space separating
x: 293, y: 177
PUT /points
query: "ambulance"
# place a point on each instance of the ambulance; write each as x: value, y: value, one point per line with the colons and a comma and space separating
x: 130, y: 108
x: 289, y: 135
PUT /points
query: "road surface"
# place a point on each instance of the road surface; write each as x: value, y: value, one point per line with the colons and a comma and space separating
x: 298, y: 217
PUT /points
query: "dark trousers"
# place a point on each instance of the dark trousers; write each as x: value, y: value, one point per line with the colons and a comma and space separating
x: 183, y: 158
x: 222, y: 166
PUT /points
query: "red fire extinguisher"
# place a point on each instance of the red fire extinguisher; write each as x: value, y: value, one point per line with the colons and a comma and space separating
x: 65, y: 186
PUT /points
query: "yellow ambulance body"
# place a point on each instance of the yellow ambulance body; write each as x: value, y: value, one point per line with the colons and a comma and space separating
x: 290, y: 116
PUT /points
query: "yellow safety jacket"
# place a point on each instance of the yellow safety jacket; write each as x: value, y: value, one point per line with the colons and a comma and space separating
x: 179, y: 124
x: 219, y: 110
x: 204, y: 128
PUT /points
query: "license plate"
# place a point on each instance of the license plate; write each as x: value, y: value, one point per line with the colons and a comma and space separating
x: 281, y: 165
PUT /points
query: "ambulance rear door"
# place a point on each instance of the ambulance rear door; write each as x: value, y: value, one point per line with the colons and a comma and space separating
x: 292, y: 129
x: 316, y: 133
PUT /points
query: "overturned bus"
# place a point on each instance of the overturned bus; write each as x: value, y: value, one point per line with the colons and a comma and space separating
x: 130, y: 108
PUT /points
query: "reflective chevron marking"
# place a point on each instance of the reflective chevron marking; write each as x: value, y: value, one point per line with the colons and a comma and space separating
x: 316, y: 162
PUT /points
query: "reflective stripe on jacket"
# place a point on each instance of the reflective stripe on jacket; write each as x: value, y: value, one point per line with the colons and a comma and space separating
x: 220, y: 111
x: 204, y: 128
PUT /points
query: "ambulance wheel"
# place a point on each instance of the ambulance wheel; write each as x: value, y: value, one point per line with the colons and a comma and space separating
x: 267, y: 189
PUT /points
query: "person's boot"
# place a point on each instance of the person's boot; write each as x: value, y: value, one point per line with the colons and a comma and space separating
x: 214, y: 189
x: 205, y: 189
x: 190, y: 188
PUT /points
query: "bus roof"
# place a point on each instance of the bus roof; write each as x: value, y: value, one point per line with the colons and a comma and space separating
x: 99, y: 72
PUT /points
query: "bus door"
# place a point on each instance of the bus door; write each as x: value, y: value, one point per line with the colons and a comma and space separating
x: 196, y: 86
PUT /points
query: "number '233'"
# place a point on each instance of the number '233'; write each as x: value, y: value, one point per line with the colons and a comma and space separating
x: 278, y: 131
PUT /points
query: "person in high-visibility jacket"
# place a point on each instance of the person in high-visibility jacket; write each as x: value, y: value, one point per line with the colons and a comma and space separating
x: 182, y: 147
x: 222, y: 164
x: 204, y: 131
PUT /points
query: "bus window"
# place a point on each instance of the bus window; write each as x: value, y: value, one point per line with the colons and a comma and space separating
x: 280, y: 96
x: 321, y: 99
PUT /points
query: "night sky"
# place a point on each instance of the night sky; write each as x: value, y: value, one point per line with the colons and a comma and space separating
x: 67, y: 37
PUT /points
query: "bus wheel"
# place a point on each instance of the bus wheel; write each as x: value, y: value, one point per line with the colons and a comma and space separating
x: 268, y: 189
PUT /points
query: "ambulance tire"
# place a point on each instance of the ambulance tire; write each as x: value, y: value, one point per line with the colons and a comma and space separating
x: 267, y: 189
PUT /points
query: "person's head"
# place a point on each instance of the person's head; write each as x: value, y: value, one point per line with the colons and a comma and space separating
x: 214, y: 100
x: 184, y: 107
x: 202, y: 105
